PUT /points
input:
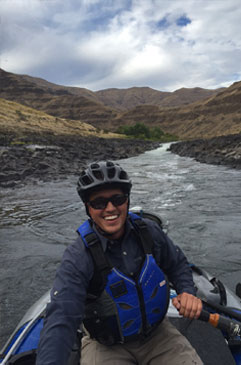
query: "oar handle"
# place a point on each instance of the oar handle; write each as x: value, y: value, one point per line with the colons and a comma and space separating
x: 223, y: 323
x: 234, y: 313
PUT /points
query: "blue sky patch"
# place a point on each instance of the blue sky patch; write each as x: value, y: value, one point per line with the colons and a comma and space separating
x: 183, y: 21
x: 163, y: 23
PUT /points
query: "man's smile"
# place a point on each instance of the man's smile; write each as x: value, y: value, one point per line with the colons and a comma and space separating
x: 111, y: 217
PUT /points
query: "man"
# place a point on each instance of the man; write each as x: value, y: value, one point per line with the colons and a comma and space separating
x: 114, y: 280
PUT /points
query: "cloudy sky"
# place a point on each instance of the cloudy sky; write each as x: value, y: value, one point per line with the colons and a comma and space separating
x: 100, y: 44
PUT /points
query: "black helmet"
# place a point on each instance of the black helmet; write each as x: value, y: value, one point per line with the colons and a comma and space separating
x: 102, y: 174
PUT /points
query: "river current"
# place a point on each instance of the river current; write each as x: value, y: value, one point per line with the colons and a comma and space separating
x: 199, y: 203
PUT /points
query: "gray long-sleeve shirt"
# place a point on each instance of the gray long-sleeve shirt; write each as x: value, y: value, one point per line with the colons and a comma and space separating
x: 65, y: 312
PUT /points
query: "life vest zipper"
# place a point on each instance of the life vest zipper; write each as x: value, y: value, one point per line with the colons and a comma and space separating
x: 142, y: 309
x: 141, y: 298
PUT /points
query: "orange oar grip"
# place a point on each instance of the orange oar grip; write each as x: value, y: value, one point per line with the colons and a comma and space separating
x: 214, y: 319
x: 223, y: 323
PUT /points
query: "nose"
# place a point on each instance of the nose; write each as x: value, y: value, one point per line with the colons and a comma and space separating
x: 110, y: 206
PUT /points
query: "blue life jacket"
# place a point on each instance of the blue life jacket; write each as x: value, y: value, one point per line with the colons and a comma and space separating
x: 120, y: 308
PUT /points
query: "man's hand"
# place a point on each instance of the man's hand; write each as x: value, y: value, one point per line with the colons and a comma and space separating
x: 188, y: 305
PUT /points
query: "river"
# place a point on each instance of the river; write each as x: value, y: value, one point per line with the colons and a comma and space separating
x: 200, y: 204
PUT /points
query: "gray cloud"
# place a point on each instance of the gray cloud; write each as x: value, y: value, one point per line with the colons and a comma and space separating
x: 100, y: 44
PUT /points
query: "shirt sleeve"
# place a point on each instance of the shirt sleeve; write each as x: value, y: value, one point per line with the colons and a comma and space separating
x: 65, y: 311
x: 172, y: 261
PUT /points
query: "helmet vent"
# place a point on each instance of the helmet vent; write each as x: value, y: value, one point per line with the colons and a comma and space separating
x: 94, y: 166
x: 123, y: 175
x: 98, y: 174
x: 111, y: 172
x: 86, y: 180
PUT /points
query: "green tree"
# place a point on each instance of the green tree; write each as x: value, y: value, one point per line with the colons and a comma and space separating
x: 141, y: 131
x: 157, y: 133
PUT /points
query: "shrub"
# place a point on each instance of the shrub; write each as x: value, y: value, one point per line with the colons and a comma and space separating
x: 141, y: 131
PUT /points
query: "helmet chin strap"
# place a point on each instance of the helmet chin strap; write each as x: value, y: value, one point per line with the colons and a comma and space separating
x: 87, y: 210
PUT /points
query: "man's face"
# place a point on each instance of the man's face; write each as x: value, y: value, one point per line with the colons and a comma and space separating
x: 110, y: 219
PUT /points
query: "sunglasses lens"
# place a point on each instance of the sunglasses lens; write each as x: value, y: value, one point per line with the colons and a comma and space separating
x: 98, y: 203
x: 101, y: 202
x: 118, y: 200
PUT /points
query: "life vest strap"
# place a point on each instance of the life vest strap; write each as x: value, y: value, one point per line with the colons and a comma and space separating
x: 144, y: 234
x: 101, y: 264
x: 97, y: 254
x: 145, y: 238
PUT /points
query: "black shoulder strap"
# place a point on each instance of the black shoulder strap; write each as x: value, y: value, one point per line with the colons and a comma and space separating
x: 143, y: 233
x: 145, y: 237
x: 97, y: 253
x: 102, y: 266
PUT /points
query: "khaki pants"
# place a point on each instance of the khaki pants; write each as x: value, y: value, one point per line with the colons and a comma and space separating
x: 167, y: 346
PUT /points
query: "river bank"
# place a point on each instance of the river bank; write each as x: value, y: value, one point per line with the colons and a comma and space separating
x: 224, y: 150
x: 47, y: 157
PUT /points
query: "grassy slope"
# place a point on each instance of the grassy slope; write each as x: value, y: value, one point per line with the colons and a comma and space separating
x: 20, y: 119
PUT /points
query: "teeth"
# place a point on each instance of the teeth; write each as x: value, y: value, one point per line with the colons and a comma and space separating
x: 111, y: 217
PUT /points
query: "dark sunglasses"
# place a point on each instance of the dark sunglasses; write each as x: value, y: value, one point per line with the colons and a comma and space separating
x: 101, y: 202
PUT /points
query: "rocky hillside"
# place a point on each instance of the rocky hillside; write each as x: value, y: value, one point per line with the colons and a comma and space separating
x: 70, y: 103
x: 216, y: 116
x: 105, y: 109
x: 119, y: 99
x: 187, y: 113
x: 18, y: 120
x: 127, y: 99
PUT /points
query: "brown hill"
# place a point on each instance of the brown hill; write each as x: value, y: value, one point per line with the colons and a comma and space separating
x: 216, y: 116
x: 70, y: 103
x: 208, y: 116
x: 10, y: 79
x: 20, y: 120
x: 122, y: 99
x: 21, y: 88
x: 38, y: 93
x: 186, y: 96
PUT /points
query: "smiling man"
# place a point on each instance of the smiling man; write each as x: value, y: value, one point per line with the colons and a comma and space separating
x: 111, y: 219
x: 114, y: 280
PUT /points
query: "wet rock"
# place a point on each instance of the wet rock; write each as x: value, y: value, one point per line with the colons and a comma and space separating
x: 52, y: 157
x: 9, y: 176
x: 224, y: 150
